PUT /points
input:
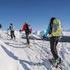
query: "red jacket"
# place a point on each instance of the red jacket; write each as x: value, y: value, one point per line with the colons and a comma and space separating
x: 25, y: 27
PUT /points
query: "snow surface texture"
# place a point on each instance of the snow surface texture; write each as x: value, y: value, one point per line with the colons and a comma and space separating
x: 15, y: 55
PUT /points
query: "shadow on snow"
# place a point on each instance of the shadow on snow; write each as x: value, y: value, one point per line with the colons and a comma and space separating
x: 24, y: 63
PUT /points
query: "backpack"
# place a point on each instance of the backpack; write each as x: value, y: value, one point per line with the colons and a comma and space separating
x: 27, y: 28
x: 56, y: 28
x: 11, y: 27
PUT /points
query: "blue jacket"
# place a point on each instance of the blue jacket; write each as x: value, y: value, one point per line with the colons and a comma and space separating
x: 48, y: 29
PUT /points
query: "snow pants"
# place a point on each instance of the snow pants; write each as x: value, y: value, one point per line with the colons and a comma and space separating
x: 53, y: 45
x: 12, y: 34
x: 27, y: 38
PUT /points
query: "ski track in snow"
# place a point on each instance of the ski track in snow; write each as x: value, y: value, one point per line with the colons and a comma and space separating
x: 34, y: 58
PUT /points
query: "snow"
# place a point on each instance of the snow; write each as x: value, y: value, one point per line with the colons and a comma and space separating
x: 15, y: 55
x: 66, y: 33
x: 39, y: 33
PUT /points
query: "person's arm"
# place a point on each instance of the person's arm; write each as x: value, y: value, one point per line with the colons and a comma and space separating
x: 47, y: 31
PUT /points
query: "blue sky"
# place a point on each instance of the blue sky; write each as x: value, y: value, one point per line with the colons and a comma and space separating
x: 36, y: 12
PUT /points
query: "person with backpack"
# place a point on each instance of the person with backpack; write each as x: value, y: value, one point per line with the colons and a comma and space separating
x: 54, y: 31
x: 11, y: 28
x: 26, y: 27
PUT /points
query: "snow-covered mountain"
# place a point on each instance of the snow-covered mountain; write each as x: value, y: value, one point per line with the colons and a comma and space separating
x: 15, y: 54
x: 39, y: 33
x: 34, y: 35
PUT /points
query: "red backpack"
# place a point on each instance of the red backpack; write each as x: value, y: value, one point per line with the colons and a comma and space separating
x: 26, y: 28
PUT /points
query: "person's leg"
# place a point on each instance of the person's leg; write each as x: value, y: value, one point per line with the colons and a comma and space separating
x: 27, y: 38
x: 58, y: 59
x: 55, y: 47
x: 53, y: 44
x: 11, y: 35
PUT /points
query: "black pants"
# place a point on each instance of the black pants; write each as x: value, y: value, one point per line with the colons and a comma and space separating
x: 27, y: 38
x: 53, y: 45
x: 12, y: 34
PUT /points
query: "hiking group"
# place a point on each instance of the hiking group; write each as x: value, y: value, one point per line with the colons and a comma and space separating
x: 53, y: 31
x: 25, y: 27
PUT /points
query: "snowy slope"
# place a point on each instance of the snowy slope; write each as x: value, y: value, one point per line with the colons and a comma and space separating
x: 15, y: 55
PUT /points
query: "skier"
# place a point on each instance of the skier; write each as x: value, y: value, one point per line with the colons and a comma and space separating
x: 28, y: 30
x: 54, y: 31
x: 11, y: 28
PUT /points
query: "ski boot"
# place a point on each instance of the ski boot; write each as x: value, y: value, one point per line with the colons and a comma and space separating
x: 55, y: 62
